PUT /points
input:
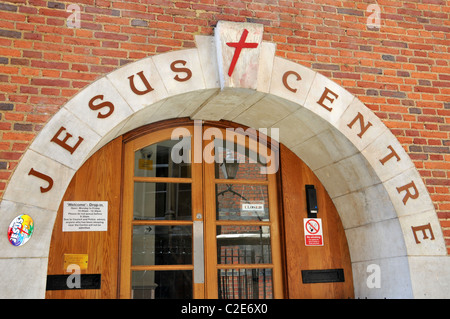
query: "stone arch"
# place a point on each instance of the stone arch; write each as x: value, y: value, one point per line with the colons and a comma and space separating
x: 388, y: 216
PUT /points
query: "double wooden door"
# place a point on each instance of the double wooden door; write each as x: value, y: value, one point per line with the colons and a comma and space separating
x: 182, y: 225
x: 199, y: 216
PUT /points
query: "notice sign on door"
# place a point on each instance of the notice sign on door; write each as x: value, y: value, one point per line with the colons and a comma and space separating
x: 85, y: 216
x: 252, y: 207
x: 313, y: 231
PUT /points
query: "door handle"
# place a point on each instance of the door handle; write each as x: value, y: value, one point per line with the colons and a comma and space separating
x: 199, y: 264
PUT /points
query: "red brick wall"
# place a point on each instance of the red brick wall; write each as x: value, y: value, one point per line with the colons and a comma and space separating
x: 400, y: 70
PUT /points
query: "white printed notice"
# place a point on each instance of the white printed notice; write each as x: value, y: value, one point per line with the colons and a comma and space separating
x: 85, y: 216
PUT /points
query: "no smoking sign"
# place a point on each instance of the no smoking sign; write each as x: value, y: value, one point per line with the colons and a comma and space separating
x: 313, y: 231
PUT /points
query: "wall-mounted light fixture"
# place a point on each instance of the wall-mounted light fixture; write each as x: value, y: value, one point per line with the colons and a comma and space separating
x: 229, y: 169
x: 311, y: 201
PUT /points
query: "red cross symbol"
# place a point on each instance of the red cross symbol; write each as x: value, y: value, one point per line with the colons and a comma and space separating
x: 239, y: 46
x: 23, y: 230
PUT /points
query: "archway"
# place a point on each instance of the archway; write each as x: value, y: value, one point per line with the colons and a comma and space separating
x: 387, y: 213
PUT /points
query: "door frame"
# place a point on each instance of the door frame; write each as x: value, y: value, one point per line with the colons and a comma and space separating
x: 127, y: 204
x: 202, y: 174
x: 274, y: 222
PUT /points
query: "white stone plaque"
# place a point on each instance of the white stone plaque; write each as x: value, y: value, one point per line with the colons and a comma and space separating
x: 85, y: 216
x: 238, y: 47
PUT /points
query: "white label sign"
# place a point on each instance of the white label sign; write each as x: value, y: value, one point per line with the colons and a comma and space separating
x: 85, y: 216
x: 252, y: 207
x: 313, y: 231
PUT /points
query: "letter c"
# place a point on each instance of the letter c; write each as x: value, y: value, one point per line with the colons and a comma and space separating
x: 285, y: 76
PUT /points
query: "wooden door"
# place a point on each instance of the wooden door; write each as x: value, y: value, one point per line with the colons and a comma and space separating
x: 99, y: 179
x: 216, y: 210
x: 332, y: 256
x: 162, y: 211
x: 229, y: 254
x: 243, y: 257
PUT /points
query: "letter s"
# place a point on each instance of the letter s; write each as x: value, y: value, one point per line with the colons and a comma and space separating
x: 177, y: 69
x: 94, y: 107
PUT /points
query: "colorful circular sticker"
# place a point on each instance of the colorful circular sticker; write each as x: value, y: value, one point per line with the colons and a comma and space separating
x: 20, y: 230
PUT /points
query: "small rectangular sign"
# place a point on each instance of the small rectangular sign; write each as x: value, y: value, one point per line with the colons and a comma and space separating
x: 85, y: 216
x: 145, y: 164
x: 313, y: 231
x: 76, y: 259
x: 252, y: 207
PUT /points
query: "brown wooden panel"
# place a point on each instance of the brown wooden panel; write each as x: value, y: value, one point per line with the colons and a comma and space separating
x: 334, y: 254
x: 99, y: 179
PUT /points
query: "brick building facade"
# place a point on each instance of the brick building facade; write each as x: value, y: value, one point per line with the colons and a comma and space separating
x: 394, y: 56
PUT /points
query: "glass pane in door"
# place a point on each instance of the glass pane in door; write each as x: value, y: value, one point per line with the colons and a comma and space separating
x: 167, y: 284
x: 242, y: 202
x: 237, y: 244
x: 245, y: 283
x: 234, y: 161
x: 162, y: 245
x: 170, y: 158
x: 162, y: 201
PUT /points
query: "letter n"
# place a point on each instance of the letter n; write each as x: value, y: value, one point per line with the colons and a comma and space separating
x: 363, y: 127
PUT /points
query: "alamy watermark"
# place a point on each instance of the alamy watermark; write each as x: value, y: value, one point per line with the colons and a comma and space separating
x: 74, y: 19
x: 74, y: 279
x: 255, y: 148
x: 374, y: 279
x: 374, y: 19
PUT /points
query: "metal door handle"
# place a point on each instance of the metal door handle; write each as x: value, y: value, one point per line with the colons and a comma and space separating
x: 199, y: 265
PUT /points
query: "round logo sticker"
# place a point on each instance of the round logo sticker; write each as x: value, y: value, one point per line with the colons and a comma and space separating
x: 20, y: 230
